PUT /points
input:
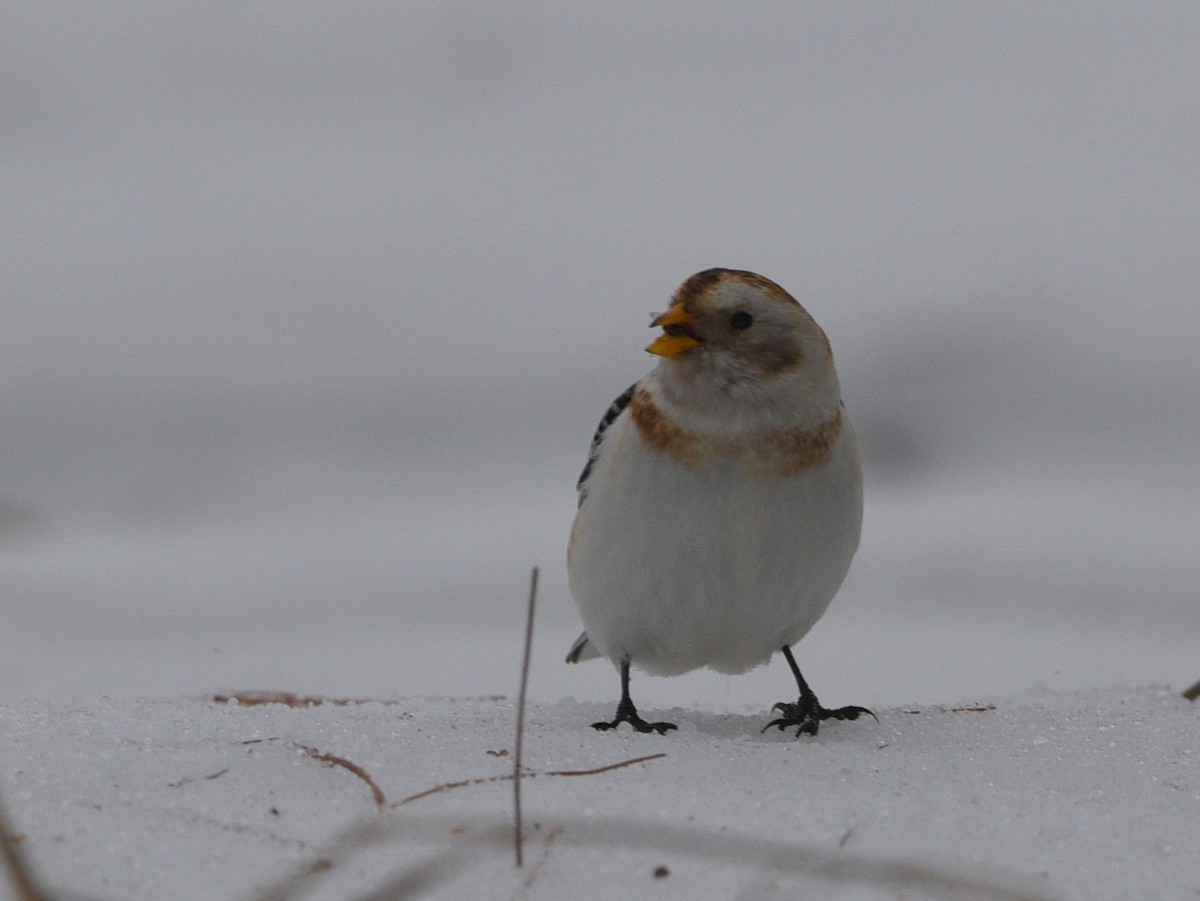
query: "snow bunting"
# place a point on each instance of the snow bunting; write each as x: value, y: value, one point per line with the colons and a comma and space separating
x: 722, y: 497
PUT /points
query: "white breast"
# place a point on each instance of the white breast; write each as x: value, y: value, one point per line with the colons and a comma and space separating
x: 677, y: 568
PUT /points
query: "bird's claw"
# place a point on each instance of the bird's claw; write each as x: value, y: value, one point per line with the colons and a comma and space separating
x: 637, y: 723
x: 806, y: 715
x: 627, y: 713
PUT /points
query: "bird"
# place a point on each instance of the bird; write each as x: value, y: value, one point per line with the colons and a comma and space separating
x: 721, y: 502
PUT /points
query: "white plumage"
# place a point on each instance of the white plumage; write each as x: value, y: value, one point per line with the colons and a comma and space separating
x: 722, y: 500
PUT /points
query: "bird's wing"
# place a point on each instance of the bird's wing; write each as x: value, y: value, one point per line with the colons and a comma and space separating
x: 610, y: 415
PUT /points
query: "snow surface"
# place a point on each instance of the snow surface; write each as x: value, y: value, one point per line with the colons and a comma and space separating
x: 308, y: 314
x: 1046, y: 795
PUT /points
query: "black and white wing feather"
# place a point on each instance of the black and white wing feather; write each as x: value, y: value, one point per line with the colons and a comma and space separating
x: 583, y: 649
x: 610, y: 416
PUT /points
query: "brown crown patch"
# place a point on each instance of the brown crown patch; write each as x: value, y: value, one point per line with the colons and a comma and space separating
x: 781, y: 452
x: 699, y: 285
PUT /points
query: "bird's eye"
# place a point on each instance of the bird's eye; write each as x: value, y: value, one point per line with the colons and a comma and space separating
x: 741, y: 320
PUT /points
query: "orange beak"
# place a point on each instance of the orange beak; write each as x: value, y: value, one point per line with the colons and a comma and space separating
x: 677, y: 336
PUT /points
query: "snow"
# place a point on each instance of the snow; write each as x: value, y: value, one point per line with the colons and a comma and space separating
x: 1043, y: 795
x: 309, y: 313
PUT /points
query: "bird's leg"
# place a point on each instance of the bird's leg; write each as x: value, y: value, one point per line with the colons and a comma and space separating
x: 807, y: 713
x: 627, y: 713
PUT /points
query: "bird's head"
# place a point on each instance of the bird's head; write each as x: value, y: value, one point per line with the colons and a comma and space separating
x: 738, y: 333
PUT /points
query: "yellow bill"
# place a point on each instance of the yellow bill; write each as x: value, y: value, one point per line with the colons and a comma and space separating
x: 677, y: 335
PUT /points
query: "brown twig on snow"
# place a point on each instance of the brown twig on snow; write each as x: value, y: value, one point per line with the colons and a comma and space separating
x: 971, y: 708
x: 1192, y: 693
x: 288, y: 699
x: 541, y: 861
x: 602, y: 769
x: 481, y: 780
x: 19, y: 872
x: 256, y: 698
x: 334, y: 760
x: 533, y: 580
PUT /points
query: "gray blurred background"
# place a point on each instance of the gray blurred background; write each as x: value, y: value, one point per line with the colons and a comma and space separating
x: 309, y: 310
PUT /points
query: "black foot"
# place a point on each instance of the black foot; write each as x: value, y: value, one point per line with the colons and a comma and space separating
x: 627, y: 713
x: 807, y: 713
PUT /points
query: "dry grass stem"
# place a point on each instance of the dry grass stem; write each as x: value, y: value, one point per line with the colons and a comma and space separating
x: 19, y: 872
x: 517, y: 751
x: 970, y: 708
x: 288, y: 699
x: 483, y: 780
x: 351, y: 766
x: 541, y: 861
